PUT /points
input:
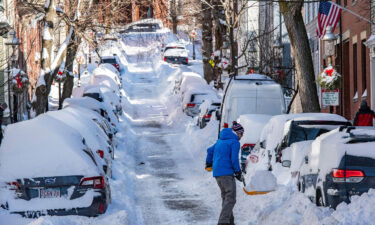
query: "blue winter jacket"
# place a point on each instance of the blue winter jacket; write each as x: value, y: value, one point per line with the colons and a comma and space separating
x: 223, y: 155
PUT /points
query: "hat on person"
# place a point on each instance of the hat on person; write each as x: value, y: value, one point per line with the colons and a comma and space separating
x: 236, y: 127
x: 363, y: 104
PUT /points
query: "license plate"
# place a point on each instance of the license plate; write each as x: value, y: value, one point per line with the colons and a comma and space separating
x: 49, y: 193
x: 175, y: 59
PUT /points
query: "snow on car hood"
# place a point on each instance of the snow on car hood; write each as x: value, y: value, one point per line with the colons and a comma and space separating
x: 42, y: 147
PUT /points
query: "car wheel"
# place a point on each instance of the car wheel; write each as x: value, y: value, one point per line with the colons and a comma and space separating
x: 319, y: 198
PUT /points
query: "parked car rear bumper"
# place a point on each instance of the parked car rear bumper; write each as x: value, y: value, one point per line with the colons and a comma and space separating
x: 99, y: 206
x: 337, y: 193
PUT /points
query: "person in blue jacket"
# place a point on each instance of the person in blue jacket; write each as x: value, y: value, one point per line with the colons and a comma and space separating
x: 222, y: 159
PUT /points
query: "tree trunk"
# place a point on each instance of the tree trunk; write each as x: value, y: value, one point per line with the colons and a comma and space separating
x: 207, y: 40
x: 302, y: 54
x: 71, y: 54
x: 42, y: 91
x: 174, y: 16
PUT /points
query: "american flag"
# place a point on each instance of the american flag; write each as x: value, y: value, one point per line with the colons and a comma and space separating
x: 328, y: 15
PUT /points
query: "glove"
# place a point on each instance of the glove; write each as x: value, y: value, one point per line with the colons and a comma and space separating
x: 238, y: 176
x: 243, y: 168
x: 208, y: 167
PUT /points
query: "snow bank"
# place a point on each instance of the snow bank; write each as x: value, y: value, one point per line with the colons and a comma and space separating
x: 262, y: 180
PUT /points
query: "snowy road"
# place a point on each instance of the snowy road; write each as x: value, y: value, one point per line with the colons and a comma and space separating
x: 163, y: 195
x: 158, y: 171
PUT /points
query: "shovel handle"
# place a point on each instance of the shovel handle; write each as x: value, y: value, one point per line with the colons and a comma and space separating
x: 243, y: 181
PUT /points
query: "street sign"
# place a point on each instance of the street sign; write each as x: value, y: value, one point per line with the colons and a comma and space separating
x: 330, y: 97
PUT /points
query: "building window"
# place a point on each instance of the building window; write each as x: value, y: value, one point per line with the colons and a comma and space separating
x: 355, y: 71
x: 363, y: 59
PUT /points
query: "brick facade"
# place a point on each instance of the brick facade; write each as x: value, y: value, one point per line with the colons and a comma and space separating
x: 355, y: 63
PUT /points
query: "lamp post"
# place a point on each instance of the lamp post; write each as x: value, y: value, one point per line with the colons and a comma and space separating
x: 329, y: 44
x: 13, y: 41
x: 329, y: 40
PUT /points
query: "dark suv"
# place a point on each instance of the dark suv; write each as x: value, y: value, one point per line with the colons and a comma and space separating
x: 341, y: 165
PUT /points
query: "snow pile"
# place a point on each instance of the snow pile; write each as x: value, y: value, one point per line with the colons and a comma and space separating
x: 199, y: 140
x: 262, y: 180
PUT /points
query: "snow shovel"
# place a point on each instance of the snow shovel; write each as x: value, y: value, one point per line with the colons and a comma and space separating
x: 262, y: 182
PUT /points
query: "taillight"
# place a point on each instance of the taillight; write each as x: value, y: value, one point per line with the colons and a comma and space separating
x: 207, y: 116
x: 100, y: 153
x: 190, y: 105
x: 351, y: 176
x: 248, y: 146
x: 102, y: 208
x: 14, y: 186
x: 165, y: 59
x: 95, y: 182
x: 187, y: 60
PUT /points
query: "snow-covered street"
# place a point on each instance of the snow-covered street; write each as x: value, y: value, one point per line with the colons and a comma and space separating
x: 158, y: 170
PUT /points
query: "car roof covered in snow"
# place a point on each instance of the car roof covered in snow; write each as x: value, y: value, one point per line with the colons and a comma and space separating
x: 274, y: 130
x: 335, y: 144
x: 43, y: 147
x: 86, y: 102
x: 106, y: 69
x: 176, y: 52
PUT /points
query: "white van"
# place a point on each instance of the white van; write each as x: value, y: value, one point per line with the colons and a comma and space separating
x: 251, y: 94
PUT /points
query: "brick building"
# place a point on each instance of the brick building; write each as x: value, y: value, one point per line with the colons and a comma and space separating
x: 351, y: 58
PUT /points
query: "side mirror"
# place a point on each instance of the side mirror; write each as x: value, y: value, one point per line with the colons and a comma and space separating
x: 286, y: 163
x: 306, y: 160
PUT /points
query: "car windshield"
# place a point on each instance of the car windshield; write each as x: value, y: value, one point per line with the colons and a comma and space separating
x: 299, y: 133
x: 310, y: 129
x: 109, y: 60
x: 197, y: 98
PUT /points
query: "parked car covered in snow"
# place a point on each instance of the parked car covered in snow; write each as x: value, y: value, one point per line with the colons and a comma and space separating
x: 104, y: 72
x: 94, y: 136
x: 110, y: 60
x: 192, y: 100
x: 145, y: 25
x: 50, y: 172
x: 90, y: 103
x: 339, y: 165
x: 173, y: 45
x: 207, y: 110
x: 104, y: 94
x: 284, y: 130
x: 187, y: 80
x: 251, y: 94
x: 176, y: 56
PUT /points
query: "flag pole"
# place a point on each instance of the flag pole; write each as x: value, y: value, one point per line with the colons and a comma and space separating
x: 355, y: 14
